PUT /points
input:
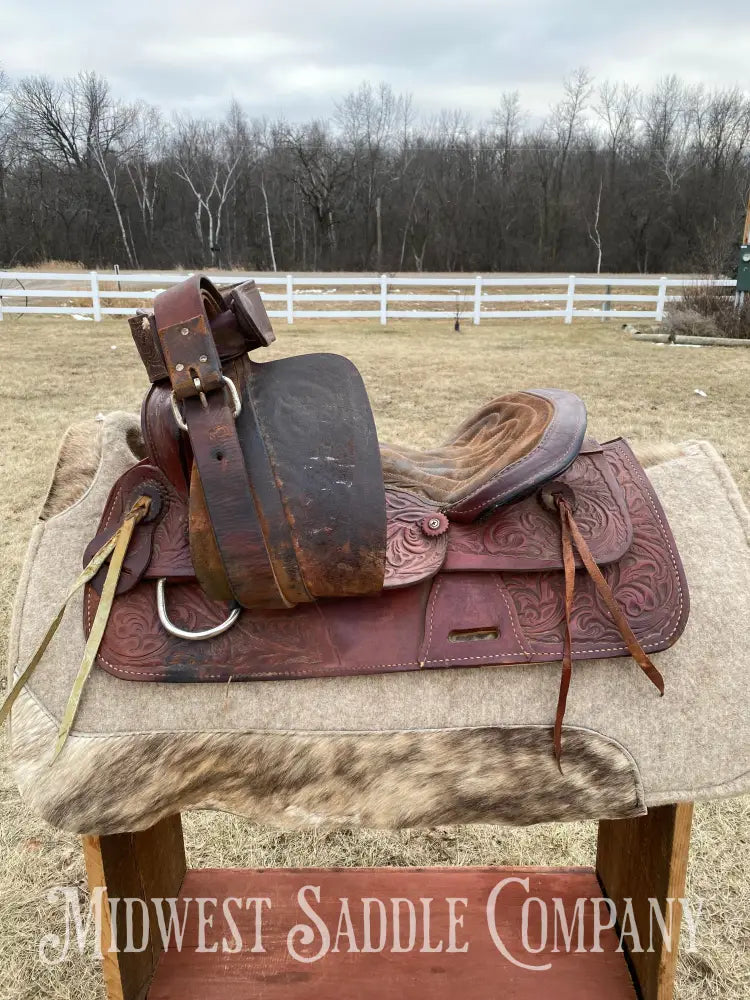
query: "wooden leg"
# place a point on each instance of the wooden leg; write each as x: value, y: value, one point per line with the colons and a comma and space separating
x: 642, y: 859
x: 139, y: 865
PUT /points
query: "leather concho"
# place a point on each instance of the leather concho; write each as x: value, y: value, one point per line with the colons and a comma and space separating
x: 457, y: 595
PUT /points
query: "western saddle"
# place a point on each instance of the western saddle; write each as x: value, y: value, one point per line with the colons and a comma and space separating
x: 268, y: 535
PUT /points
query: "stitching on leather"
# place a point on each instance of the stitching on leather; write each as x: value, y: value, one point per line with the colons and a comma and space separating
x: 646, y: 489
x: 162, y: 675
x: 499, y: 658
x: 510, y: 614
x: 433, y: 601
x: 510, y: 489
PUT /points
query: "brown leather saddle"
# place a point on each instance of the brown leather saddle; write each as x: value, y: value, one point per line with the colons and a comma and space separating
x: 282, y: 541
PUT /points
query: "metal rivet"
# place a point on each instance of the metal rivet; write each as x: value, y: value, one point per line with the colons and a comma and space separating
x: 434, y: 523
x: 179, y: 368
x: 184, y: 331
x: 203, y: 357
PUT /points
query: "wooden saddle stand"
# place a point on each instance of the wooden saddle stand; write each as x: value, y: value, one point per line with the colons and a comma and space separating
x: 268, y: 535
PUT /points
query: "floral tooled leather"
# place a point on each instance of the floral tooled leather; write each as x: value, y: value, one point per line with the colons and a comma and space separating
x: 452, y: 618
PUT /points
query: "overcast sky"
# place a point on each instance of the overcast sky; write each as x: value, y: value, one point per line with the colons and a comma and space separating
x: 294, y: 59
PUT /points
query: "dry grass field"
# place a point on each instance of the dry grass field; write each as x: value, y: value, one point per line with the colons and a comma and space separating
x: 422, y: 378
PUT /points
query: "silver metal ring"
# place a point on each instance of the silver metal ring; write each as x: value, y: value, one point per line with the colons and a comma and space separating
x: 235, y: 397
x: 237, y: 402
x: 181, y: 633
x: 176, y: 413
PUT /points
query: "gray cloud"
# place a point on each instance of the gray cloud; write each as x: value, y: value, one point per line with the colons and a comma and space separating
x: 294, y: 59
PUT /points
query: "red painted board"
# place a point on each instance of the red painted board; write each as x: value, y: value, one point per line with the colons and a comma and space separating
x: 433, y: 962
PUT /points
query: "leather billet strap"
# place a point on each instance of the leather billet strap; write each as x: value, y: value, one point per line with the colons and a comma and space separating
x: 183, y: 315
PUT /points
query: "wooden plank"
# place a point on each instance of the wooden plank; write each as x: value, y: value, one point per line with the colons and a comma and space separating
x: 136, y: 865
x: 643, y: 859
x: 436, y: 963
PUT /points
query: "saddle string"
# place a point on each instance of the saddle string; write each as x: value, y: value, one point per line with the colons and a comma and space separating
x: 569, y: 568
x: 116, y: 547
x: 124, y: 534
x: 570, y: 536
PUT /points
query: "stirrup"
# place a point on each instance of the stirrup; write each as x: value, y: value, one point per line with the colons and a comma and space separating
x: 181, y: 633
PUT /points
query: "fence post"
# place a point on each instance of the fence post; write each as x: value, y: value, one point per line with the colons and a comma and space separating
x: 661, y: 299
x: 383, y: 299
x: 96, y: 302
x: 571, y: 298
x: 290, y: 298
x: 477, y: 298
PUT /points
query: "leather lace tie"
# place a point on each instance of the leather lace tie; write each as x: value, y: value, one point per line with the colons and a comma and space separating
x: 114, y: 550
x: 571, y: 536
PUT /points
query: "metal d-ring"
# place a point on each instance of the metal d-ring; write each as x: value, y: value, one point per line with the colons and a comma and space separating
x: 236, y: 402
x: 181, y: 633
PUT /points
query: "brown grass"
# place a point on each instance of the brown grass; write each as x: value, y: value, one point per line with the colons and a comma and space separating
x: 709, y: 311
x: 423, y: 379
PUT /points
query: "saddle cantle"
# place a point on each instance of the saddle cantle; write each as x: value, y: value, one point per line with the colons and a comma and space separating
x: 268, y: 535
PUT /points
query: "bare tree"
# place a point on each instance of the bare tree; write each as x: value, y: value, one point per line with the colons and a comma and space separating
x: 207, y: 163
x: 323, y: 167
x: 113, y: 139
x: 507, y: 120
x: 616, y: 107
x: 372, y: 122
x: 6, y: 136
x: 593, y: 229
x: 658, y: 178
x: 666, y: 122
x: 78, y: 124
x: 145, y: 166
x: 564, y: 125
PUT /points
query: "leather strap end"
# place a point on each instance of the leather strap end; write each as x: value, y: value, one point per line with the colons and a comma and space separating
x: 191, y: 357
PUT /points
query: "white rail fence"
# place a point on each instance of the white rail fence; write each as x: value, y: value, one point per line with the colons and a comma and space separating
x: 469, y: 297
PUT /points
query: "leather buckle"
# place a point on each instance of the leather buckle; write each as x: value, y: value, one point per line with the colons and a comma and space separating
x: 227, y: 383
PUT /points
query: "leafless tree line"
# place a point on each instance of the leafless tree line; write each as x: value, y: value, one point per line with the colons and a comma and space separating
x: 614, y: 178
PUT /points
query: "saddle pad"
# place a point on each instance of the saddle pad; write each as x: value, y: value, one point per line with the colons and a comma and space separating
x: 431, y: 747
x: 499, y: 599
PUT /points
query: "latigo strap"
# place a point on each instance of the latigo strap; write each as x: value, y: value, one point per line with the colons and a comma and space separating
x: 279, y: 462
x: 198, y: 383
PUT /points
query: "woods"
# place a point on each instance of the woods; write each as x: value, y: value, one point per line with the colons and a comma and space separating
x: 614, y: 178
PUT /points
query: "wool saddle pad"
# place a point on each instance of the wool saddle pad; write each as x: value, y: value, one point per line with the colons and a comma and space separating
x: 392, y: 750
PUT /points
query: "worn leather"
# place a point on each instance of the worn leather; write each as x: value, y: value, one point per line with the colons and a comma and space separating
x: 517, y: 540
x: 485, y: 586
x: 285, y: 490
x: 498, y: 454
x: 240, y: 326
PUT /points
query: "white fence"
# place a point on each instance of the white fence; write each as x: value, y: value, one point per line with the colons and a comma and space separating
x: 387, y: 296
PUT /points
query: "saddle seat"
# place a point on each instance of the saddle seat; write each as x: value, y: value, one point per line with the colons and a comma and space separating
x: 505, y: 449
